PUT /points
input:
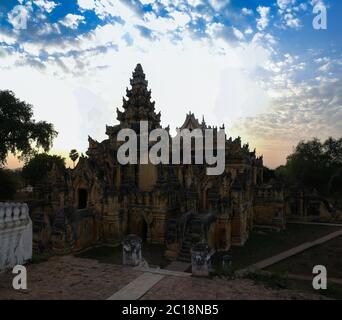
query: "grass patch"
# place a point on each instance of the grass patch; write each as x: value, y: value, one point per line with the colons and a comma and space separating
x: 266, y: 243
x: 333, y: 291
x: 327, y: 254
x: 280, y: 281
x: 274, y: 281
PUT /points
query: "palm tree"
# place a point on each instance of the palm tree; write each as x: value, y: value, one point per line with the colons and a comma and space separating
x: 73, y: 155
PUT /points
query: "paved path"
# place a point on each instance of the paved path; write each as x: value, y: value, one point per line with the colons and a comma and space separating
x: 286, y: 254
x: 165, y: 272
x: 138, y: 287
x: 151, y: 276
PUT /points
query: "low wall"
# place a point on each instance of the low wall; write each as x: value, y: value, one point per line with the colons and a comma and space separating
x: 15, y: 235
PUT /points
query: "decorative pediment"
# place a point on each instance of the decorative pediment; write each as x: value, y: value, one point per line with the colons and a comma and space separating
x: 191, y: 122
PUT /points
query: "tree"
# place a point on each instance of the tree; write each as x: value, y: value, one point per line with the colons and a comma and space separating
x: 73, y: 155
x: 314, y: 164
x: 10, y: 182
x: 19, y: 132
x: 36, y: 169
x: 269, y: 174
x: 333, y: 156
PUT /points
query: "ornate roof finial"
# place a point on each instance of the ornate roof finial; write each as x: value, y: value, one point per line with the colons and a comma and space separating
x: 138, y: 105
x: 138, y: 76
x: 139, y: 68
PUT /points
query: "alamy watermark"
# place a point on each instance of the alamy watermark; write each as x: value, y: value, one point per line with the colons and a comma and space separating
x: 320, y: 22
x: 20, y: 281
x: 18, y: 17
x: 154, y: 147
x: 319, y: 282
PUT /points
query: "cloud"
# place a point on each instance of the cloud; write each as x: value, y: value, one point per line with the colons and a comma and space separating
x: 72, y: 21
x: 247, y: 12
x: 108, y: 8
x: 218, y: 4
x: 248, y: 30
x: 288, y: 10
x: 46, y: 5
x: 297, y: 110
x: 238, y: 34
x: 87, y: 4
x: 291, y: 21
x: 263, y: 21
x: 284, y: 4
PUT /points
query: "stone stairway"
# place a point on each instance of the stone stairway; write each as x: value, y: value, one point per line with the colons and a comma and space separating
x: 184, y: 254
x: 193, y: 234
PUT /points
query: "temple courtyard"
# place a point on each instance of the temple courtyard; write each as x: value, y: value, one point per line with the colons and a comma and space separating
x: 69, y: 277
x: 98, y: 273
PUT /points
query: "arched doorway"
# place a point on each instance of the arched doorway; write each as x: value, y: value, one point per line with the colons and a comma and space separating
x: 82, y: 198
x: 144, y: 230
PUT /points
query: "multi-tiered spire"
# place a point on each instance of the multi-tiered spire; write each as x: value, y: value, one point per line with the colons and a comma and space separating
x: 138, y: 105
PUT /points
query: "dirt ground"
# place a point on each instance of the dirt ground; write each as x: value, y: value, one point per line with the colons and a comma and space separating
x: 74, y: 278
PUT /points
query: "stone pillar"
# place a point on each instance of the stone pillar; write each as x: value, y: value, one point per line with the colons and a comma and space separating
x: 227, y: 263
x: 200, y: 260
x: 131, y: 250
x: 15, y: 235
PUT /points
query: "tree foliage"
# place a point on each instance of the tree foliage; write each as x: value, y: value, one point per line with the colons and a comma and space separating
x: 316, y: 165
x: 10, y: 182
x: 269, y: 174
x: 36, y: 169
x: 19, y: 132
x: 73, y: 155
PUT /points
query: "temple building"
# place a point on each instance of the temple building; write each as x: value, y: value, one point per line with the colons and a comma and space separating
x: 101, y: 201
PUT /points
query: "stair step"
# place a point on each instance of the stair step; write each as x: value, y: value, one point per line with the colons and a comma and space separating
x: 184, y: 251
x: 184, y: 260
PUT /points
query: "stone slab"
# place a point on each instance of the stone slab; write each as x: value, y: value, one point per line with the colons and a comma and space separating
x: 138, y: 287
x: 165, y: 272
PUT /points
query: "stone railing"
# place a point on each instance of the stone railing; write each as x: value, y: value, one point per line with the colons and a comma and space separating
x: 15, y: 235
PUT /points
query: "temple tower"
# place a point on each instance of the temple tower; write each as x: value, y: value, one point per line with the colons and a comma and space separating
x: 138, y: 105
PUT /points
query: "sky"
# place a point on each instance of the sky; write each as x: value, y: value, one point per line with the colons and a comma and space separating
x: 259, y: 67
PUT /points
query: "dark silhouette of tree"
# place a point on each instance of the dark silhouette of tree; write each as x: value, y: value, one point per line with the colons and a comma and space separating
x: 73, y: 155
x: 269, y: 174
x: 10, y: 182
x: 315, y: 165
x: 20, y: 134
x: 36, y: 169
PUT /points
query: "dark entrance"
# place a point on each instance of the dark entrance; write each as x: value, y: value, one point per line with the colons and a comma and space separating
x: 82, y: 198
x: 144, y: 229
